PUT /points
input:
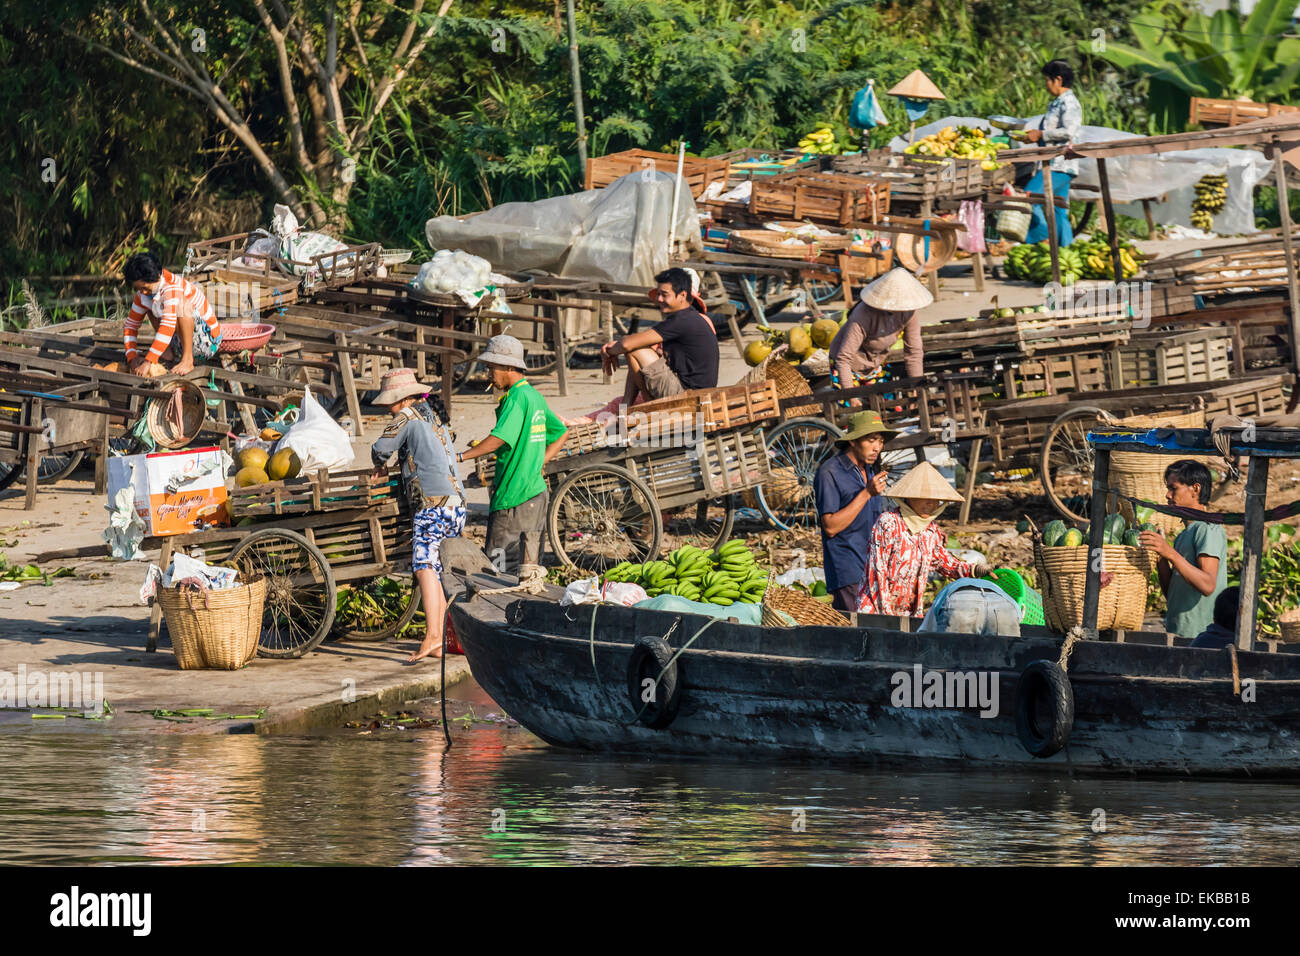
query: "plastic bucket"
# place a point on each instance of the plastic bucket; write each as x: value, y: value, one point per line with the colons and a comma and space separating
x: 1029, y: 600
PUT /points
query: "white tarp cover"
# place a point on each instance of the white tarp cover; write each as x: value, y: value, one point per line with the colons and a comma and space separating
x: 617, y: 234
x: 1172, y: 174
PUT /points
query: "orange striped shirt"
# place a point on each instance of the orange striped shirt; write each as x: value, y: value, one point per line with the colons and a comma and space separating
x: 164, y: 306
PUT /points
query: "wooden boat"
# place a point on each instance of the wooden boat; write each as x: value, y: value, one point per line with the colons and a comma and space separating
x: 575, y: 676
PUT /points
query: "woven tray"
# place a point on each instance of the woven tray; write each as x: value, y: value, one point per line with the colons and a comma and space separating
x: 805, y: 609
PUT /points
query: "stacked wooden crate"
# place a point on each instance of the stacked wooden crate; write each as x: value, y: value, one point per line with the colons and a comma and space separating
x: 1169, y: 357
x: 820, y: 197
x: 697, y: 173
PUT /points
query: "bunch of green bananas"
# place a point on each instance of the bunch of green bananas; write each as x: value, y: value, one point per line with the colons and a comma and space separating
x: 1211, y: 197
x: 1097, y: 262
x: 1034, y: 263
x: 726, y: 576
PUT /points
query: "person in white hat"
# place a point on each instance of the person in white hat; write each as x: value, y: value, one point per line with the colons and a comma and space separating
x: 687, y: 339
x: 418, y: 437
x: 527, y: 435
x: 887, y: 308
x: 906, y: 545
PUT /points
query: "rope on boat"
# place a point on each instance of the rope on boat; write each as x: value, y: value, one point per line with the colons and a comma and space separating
x: 1074, y: 636
x: 532, y: 579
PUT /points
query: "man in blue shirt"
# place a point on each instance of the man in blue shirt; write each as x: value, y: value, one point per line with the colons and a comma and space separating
x: 850, y: 490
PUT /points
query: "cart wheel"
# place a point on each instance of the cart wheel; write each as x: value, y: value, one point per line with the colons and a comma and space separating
x: 797, y: 449
x: 539, y: 361
x: 601, y: 515
x: 9, y: 473
x: 353, y: 623
x: 300, y: 592
x: 1065, y: 462
x: 707, y: 523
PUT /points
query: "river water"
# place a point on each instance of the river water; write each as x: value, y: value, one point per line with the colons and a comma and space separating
x: 390, y: 797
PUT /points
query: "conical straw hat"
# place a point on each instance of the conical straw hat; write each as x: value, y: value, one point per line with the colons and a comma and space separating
x: 896, y: 291
x: 917, y: 86
x: 923, y: 481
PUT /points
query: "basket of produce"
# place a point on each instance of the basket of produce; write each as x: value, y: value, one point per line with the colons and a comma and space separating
x: 773, y: 367
x: 806, y: 610
x: 1289, y: 626
x: 244, y: 336
x: 1061, y: 559
x: 216, y: 629
x: 1134, y: 474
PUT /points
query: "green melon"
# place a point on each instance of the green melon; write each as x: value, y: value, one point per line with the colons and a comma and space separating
x: 1053, y: 533
x: 1073, y: 538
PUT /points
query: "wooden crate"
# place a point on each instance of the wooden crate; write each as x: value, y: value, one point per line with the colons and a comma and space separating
x: 1213, y: 112
x: 712, y: 409
x: 321, y: 492
x: 821, y: 197
x: 1169, y: 357
x: 696, y: 172
x: 234, y: 293
x: 1075, y: 371
x: 719, y: 464
x: 915, y: 182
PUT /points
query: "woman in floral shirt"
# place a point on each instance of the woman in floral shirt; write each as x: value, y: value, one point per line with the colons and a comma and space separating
x: 907, y: 545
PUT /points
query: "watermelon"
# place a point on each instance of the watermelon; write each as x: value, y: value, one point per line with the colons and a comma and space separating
x: 1022, y: 525
x: 1148, y: 526
x: 1132, y: 539
x: 1073, y: 538
x: 1115, y: 528
x: 1053, y: 533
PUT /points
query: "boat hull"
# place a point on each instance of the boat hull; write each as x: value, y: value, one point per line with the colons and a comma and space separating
x: 844, y: 694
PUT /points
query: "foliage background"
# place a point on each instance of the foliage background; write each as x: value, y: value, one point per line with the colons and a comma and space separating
x: 481, y: 121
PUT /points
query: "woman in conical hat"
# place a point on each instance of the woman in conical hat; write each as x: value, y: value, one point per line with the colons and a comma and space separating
x: 906, y: 545
x: 888, y: 308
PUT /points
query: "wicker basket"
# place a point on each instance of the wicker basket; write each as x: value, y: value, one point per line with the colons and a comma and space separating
x: 214, y: 629
x: 789, y: 383
x: 1289, y: 626
x: 161, y: 417
x: 805, y: 609
x: 1195, y: 419
x: 1063, y: 574
x: 768, y: 242
x: 1135, y: 474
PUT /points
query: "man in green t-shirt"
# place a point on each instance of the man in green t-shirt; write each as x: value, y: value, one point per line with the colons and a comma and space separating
x: 1194, y: 569
x: 527, y: 435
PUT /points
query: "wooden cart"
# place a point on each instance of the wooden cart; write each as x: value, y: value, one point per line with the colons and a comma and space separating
x: 46, y: 428
x: 311, y: 537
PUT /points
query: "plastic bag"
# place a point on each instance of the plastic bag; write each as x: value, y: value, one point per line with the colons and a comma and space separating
x: 264, y: 245
x: 591, y: 591
x: 318, y: 440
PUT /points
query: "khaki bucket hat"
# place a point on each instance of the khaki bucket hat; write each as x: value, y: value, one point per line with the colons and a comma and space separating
x: 896, y: 291
x: 866, y: 423
x: 924, y: 481
x: 397, y: 384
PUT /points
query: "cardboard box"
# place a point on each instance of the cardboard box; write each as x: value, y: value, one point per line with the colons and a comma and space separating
x: 199, y: 498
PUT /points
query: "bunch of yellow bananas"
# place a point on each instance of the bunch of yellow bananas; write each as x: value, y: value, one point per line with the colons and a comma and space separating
x: 820, y: 140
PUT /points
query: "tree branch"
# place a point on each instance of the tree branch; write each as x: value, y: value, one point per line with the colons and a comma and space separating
x: 391, y: 83
x: 286, y: 88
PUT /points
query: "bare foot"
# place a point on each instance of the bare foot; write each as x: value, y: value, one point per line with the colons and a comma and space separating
x: 183, y: 368
x: 431, y: 647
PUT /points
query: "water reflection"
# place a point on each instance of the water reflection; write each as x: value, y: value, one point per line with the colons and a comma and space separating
x: 500, y: 796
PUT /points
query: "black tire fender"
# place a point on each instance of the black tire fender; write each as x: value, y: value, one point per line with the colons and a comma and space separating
x: 650, y: 656
x: 1044, y: 708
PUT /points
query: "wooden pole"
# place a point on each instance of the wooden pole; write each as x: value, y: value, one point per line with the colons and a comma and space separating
x: 576, y: 72
x: 1096, y: 529
x: 1252, y: 547
x: 1288, y: 246
x: 1049, y: 213
x: 1112, y: 228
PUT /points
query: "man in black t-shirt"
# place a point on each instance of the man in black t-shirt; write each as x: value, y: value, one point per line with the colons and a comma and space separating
x: 689, y: 345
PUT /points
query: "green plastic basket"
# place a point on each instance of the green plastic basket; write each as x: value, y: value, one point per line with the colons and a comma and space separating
x: 1029, y: 601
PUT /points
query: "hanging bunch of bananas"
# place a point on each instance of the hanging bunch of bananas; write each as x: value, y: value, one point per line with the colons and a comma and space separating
x: 820, y: 140
x: 962, y: 142
x: 1097, y: 262
x: 1033, y: 261
x: 1211, y: 197
x: 729, y: 575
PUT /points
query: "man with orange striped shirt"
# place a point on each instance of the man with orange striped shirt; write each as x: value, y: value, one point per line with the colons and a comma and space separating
x: 174, y: 305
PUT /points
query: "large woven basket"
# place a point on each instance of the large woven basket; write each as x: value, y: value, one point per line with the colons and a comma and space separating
x: 1063, y: 575
x: 1137, y: 475
x: 214, y: 629
x: 789, y: 383
x: 774, y: 245
x: 805, y: 610
x: 169, y: 429
x: 1289, y: 626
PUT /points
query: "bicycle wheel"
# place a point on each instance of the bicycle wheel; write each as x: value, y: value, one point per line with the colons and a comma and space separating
x: 705, y: 524
x: 300, y: 593
x: 797, y: 449
x: 601, y: 515
x: 1066, y: 459
x: 376, y: 610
